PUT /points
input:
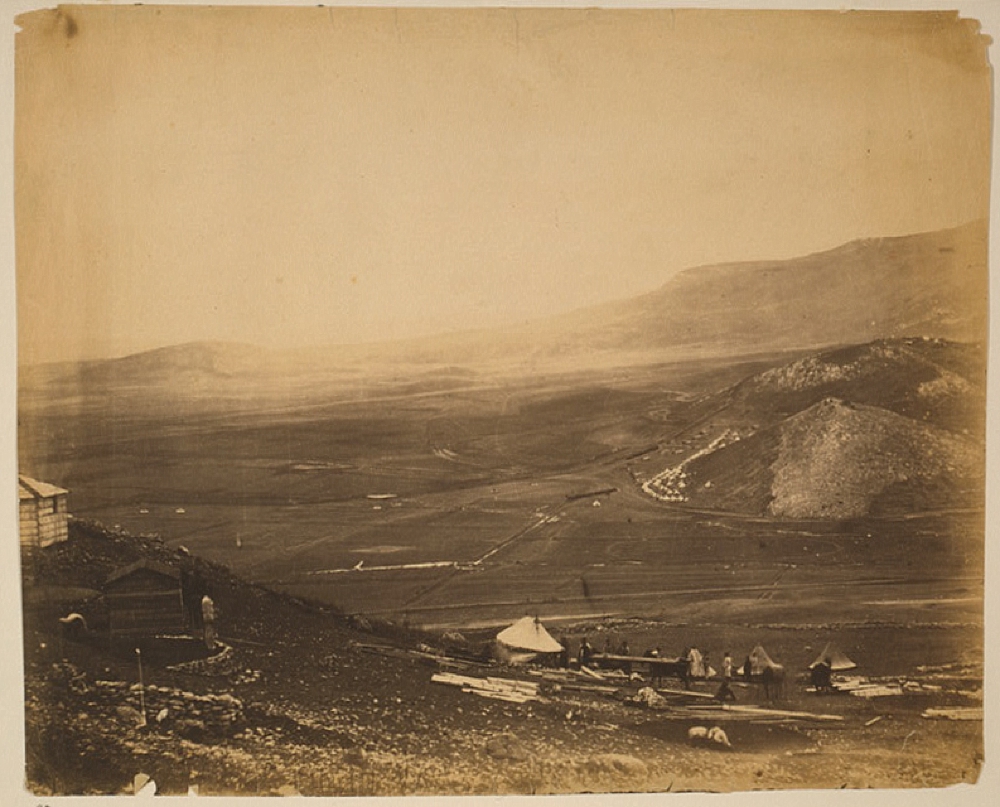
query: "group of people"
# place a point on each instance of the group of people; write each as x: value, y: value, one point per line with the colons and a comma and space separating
x: 692, y: 663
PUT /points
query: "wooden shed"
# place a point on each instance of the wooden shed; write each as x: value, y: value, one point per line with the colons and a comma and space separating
x: 43, y: 513
x: 145, y: 598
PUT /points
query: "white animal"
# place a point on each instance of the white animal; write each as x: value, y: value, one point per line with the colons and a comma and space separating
x: 717, y: 735
x: 74, y: 621
x: 714, y: 735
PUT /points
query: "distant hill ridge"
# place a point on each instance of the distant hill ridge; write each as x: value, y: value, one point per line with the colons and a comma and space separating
x: 930, y: 284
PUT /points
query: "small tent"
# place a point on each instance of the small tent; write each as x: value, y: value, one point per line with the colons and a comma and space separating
x: 759, y: 661
x: 524, y: 640
x: 838, y: 661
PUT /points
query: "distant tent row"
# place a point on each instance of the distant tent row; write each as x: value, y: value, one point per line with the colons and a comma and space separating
x: 528, y: 638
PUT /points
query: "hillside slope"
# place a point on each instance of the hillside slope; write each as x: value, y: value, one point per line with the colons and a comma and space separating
x: 838, y: 460
x: 941, y: 382
x: 892, y: 426
x: 929, y: 284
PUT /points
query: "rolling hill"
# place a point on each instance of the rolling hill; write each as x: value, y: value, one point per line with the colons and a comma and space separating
x: 930, y: 284
x: 889, y: 427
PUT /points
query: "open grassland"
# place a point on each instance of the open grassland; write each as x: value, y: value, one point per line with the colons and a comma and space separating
x: 468, y: 509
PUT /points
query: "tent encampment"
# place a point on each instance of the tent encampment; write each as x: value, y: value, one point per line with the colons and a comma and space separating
x: 525, y: 639
x: 838, y: 661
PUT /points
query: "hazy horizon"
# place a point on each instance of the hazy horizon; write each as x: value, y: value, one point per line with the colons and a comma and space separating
x: 298, y: 177
x: 432, y: 334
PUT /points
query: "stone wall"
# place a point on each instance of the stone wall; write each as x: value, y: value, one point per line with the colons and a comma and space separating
x: 212, y: 714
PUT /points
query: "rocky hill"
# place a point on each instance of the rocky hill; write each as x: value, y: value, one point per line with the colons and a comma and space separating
x: 933, y: 380
x: 893, y: 426
x: 840, y: 460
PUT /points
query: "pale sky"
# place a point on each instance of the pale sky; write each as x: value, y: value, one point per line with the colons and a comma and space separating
x: 307, y: 176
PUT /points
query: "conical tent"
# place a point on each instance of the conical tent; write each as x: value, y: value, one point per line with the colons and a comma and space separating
x: 528, y: 634
x: 760, y: 660
x: 838, y: 661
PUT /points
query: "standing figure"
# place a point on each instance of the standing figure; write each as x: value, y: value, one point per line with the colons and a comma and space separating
x: 727, y: 667
x: 767, y: 676
x: 697, y: 666
x: 208, y: 620
x: 192, y: 587
x: 747, y: 670
x: 820, y: 676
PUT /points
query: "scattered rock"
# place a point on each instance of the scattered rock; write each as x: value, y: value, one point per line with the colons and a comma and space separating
x: 189, y: 729
x: 128, y: 713
x: 506, y: 746
x: 622, y: 764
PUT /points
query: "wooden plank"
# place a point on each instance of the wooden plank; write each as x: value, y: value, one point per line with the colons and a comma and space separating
x: 603, y: 690
x: 955, y: 713
x: 757, y: 710
x: 686, y: 693
x: 590, y: 673
x: 638, y: 659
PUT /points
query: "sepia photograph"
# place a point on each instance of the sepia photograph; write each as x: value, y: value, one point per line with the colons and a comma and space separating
x: 499, y: 401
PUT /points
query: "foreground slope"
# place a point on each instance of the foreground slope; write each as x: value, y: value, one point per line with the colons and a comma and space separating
x: 302, y: 700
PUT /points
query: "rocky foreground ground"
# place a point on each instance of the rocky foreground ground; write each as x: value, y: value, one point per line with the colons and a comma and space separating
x: 300, y: 699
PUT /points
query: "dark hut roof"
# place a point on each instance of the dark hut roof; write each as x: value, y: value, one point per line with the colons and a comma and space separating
x: 148, y: 565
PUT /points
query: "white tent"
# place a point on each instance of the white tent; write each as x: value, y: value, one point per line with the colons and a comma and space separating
x: 759, y: 661
x: 526, y: 638
x: 838, y: 661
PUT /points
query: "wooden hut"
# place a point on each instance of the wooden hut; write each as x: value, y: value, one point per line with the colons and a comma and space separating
x: 145, y: 599
x: 43, y: 513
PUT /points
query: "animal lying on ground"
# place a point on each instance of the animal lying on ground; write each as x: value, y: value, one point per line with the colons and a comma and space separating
x: 73, y: 624
x: 700, y: 735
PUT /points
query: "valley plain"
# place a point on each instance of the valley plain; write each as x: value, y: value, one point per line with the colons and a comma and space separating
x: 785, y: 498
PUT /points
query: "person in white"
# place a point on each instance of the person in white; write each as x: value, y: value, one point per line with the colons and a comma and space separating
x: 208, y: 620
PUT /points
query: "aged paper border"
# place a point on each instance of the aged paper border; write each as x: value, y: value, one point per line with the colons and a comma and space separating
x: 12, y: 792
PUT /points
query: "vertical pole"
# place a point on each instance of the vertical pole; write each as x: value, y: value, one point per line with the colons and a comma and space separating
x: 142, y: 690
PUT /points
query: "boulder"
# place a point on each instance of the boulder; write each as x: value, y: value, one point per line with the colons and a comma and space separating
x: 506, y: 746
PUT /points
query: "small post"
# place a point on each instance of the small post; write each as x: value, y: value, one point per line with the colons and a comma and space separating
x: 142, y: 691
